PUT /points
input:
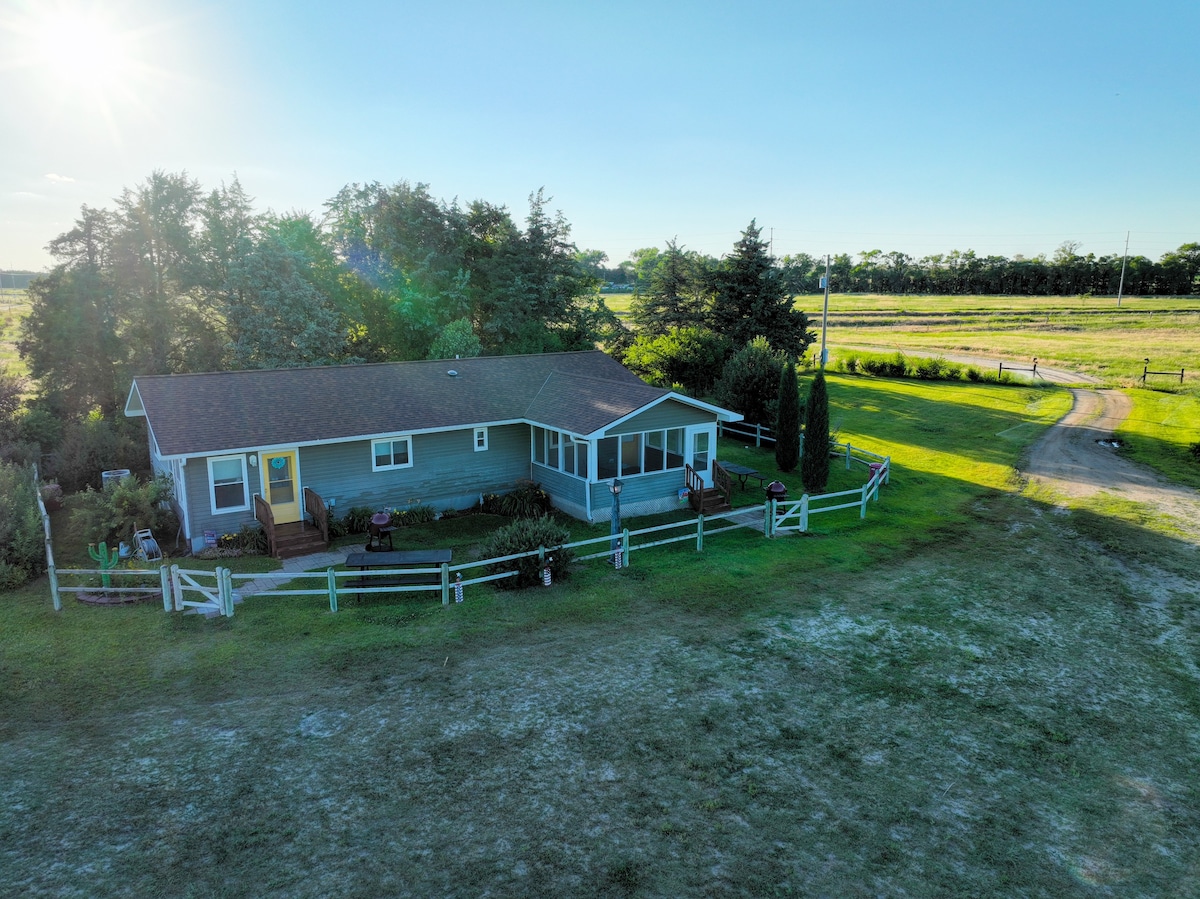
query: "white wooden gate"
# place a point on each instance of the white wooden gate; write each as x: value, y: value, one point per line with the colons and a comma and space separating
x: 217, y: 597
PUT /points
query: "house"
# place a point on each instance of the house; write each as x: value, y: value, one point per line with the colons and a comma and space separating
x: 282, y: 445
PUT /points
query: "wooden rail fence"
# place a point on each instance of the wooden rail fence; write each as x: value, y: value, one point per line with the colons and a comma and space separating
x: 215, y: 592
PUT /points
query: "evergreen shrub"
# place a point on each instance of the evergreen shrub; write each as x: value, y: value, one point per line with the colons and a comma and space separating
x: 525, y: 535
x: 22, y: 553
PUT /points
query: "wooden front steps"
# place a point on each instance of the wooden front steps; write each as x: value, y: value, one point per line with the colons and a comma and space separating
x: 709, y: 501
x: 297, y: 539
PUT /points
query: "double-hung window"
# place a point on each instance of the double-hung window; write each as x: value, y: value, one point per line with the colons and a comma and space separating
x: 227, y: 475
x: 393, y: 452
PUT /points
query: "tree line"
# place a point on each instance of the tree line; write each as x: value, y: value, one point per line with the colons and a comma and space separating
x: 1064, y: 273
x: 175, y: 278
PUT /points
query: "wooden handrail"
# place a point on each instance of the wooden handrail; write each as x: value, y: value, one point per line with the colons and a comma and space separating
x: 263, y: 513
x: 722, y: 481
x: 315, y: 506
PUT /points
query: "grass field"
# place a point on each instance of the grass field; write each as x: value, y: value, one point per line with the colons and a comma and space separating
x: 970, y: 692
x: 13, y: 306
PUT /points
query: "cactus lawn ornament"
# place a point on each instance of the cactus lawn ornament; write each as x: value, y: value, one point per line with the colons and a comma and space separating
x: 108, y: 561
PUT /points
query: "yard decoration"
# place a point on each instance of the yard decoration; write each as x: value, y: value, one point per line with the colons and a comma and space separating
x: 458, y: 587
x: 107, y: 560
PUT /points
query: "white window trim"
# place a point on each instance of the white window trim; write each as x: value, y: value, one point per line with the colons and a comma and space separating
x: 480, y: 446
x: 212, y: 487
x: 405, y: 437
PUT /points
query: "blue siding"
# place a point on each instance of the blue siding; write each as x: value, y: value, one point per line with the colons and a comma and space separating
x: 446, y: 471
x: 644, y: 494
x: 199, y: 500
x: 567, y: 492
x: 667, y: 414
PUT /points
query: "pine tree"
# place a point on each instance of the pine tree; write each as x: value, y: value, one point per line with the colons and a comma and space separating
x: 787, y: 420
x: 814, y: 460
x: 752, y: 297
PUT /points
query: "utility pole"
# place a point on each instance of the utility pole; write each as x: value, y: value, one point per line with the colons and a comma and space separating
x: 1121, y: 288
x: 825, y: 315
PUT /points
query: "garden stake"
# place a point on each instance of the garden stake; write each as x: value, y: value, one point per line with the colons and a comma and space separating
x: 546, y: 577
x: 617, y: 560
x: 458, y: 588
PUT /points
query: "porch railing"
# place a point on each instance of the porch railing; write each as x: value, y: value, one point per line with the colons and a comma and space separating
x: 262, y: 512
x: 315, y: 506
x: 723, y: 482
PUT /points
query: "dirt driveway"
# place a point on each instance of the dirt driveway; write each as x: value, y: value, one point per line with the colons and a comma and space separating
x: 1076, y: 458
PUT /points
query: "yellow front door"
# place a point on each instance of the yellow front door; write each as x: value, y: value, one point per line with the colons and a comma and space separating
x: 281, y: 485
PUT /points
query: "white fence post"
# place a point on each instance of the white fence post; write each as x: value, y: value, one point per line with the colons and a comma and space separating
x: 804, y: 512
x: 862, y: 506
x: 177, y: 588
x: 700, y: 532
x: 847, y: 457
x: 331, y: 579
x: 54, y: 594
x: 225, y: 591
x: 164, y: 578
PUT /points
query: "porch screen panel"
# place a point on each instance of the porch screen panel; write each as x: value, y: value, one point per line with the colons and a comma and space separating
x: 631, y: 454
x: 675, y: 448
x: 606, y: 457
x: 568, y: 455
x: 655, y: 456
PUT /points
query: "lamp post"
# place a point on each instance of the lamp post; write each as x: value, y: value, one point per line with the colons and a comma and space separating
x: 615, y: 487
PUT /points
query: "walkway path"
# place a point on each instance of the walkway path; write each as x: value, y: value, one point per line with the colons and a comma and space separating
x: 272, y: 580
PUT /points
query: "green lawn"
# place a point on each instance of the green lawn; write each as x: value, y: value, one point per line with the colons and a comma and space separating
x: 966, y: 693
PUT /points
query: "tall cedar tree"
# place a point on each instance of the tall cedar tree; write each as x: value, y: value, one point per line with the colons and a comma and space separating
x: 787, y: 420
x: 814, y: 459
x: 752, y: 297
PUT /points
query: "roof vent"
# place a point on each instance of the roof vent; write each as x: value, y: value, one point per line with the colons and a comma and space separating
x: 452, y: 373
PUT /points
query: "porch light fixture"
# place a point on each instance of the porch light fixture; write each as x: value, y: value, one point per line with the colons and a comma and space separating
x: 616, y: 486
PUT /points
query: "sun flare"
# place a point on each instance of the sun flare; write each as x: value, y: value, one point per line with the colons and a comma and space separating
x: 82, y: 50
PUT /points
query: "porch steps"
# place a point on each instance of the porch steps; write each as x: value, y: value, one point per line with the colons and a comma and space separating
x: 710, y: 501
x: 297, y: 539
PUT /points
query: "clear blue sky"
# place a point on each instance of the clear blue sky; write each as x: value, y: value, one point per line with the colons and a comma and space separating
x: 844, y: 126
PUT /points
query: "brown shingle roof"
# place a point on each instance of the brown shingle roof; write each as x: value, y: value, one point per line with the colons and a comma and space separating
x: 224, y: 411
